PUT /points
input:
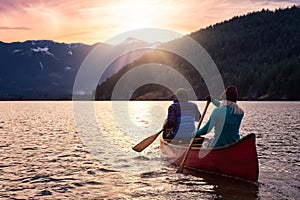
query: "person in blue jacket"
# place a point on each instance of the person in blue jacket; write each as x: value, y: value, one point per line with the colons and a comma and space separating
x: 225, y: 119
x: 182, y: 115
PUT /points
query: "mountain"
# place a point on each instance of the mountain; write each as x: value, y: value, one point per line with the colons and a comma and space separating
x: 39, y: 68
x: 258, y: 52
x: 130, y: 45
x: 45, y: 69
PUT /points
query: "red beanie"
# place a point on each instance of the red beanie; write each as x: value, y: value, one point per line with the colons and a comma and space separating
x: 230, y: 94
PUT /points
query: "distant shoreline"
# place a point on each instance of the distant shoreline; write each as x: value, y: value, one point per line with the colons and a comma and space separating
x: 241, y: 100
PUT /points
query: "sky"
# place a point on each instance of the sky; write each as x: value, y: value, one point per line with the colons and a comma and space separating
x: 91, y: 21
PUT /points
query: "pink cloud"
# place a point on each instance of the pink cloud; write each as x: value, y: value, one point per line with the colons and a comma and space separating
x: 14, y: 28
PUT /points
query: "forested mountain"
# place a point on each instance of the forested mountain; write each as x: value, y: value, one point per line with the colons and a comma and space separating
x: 258, y: 52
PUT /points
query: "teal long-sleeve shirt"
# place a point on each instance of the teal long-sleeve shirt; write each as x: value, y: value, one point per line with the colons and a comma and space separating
x: 226, y: 125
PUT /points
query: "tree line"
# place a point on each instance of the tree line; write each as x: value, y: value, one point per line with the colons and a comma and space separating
x: 258, y: 52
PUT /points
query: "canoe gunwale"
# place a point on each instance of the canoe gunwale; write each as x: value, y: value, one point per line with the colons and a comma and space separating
x: 249, y: 136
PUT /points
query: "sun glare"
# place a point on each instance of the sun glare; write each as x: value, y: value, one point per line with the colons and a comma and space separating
x: 136, y: 14
x: 138, y: 23
x: 130, y: 15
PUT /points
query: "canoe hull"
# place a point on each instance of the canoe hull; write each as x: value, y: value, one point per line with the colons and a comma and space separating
x: 238, y: 160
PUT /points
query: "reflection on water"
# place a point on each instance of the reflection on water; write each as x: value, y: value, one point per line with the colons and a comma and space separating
x: 44, y: 154
x: 228, y: 188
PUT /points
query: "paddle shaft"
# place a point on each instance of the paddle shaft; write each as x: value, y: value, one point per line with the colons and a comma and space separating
x: 181, y: 167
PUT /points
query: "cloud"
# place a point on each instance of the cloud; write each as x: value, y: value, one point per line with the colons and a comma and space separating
x: 94, y: 20
x: 297, y: 2
x: 6, y: 6
x: 73, y: 34
x: 14, y: 28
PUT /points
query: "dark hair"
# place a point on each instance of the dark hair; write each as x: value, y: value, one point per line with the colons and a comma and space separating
x: 230, y: 93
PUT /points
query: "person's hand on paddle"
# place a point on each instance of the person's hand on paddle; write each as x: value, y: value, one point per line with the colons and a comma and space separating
x: 208, y: 98
x: 194, y: 134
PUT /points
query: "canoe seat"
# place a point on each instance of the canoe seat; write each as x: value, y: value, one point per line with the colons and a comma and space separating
x: 185, y: 141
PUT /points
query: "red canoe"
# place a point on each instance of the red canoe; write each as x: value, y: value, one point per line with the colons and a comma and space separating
x: 237, y: 160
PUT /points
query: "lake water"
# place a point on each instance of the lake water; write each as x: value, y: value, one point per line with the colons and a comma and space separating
x: 56, y: 150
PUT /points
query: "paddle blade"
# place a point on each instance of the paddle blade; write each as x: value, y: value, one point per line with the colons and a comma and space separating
x: 146, y: 142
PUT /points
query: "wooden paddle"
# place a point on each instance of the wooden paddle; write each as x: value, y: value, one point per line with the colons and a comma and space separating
x: 146, y: 142
x: 181, y: 166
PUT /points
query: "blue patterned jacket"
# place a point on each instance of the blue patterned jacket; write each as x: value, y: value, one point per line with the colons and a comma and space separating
x: 182, y: 117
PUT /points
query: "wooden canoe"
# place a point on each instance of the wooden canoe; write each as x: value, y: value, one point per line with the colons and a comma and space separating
x: 237, y: 160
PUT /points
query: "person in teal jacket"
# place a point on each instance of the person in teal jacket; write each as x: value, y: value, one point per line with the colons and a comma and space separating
x: 225, y: 119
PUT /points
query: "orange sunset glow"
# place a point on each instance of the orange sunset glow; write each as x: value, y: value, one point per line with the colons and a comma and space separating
x: 97, y: 20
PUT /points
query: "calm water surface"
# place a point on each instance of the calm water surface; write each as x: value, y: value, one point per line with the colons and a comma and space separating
x: 56, y: 150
